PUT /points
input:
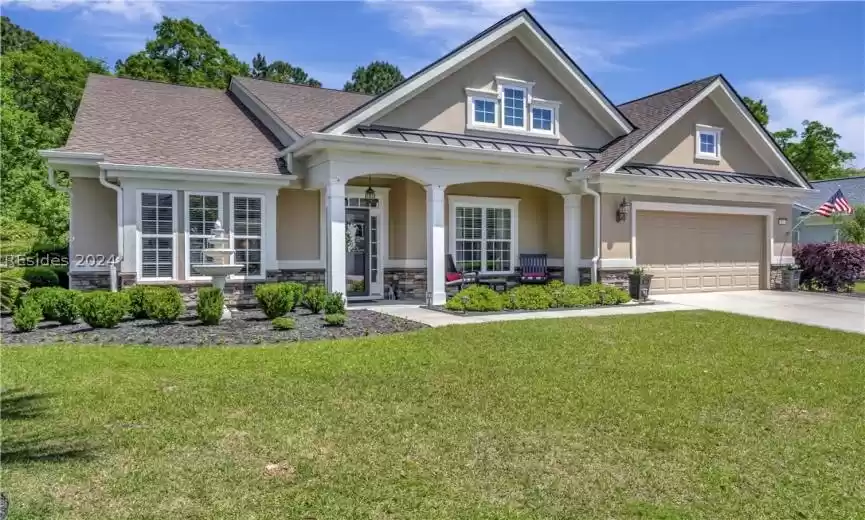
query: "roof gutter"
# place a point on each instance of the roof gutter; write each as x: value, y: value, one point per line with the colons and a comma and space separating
x: 582, y: 180
x: 112, y: 264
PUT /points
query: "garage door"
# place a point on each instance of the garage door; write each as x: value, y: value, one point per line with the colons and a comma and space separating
x: 692, y: 252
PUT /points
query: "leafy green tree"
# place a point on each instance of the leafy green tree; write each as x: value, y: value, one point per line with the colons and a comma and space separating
x: 375, y: 78
x: 816, y: 152
x: 183, y: 53
x: 281, y: 71
x: 15, y: 38
x: 758, y: 109
x: 853, y: 230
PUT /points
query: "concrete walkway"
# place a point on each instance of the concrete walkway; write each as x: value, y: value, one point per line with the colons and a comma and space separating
x: 440, y: 319
x: 829, y: 311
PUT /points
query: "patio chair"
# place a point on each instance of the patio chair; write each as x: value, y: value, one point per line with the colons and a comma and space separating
x: 533, y: 268
x: 455, y: 277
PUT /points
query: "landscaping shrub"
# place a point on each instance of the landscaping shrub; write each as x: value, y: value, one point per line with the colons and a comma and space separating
x: 163, y: 304
x: 601, y: 294
x: 283, y: 323
x: 831, y: 266
x: 62, y: 273
x: 334, y: 303
x: 12, y: 284
x: 573, y: 296
x: 275, y: 299
x: 27, y: 315
x: 314, y: 298
x: 334, y: 320
x: 209, y: 305
x: 103, y: 309
x: 476, y: 298
x: 56, y: 303
x: 137, y: 294
x: 41, y: 276
x: 529, y: 297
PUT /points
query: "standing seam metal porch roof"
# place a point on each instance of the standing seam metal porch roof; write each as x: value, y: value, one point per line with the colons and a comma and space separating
x: 473, y: 142
x: 694, y: 174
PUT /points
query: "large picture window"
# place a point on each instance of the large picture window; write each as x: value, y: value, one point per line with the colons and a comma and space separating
x: 246, y: 225
x: 202, y: 212
x: 156, y: 223
x: 483, y: 234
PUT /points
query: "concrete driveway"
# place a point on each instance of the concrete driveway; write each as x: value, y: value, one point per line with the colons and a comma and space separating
x: 834, y: 312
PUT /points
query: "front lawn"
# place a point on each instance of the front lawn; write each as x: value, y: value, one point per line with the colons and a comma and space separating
x: 859, y: 287
x: 665, y: 416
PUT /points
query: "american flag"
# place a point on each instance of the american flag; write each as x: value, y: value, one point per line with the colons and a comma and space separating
x: 837, y: 204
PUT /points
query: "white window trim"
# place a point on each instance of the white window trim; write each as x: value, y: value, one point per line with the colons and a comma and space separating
x: 140, y: 238
x: 472, y: 95
x: 187, y: 260
x: 710, y: 130
x: 552, y: 106
x: 231, y: 235
x: 455, y: 201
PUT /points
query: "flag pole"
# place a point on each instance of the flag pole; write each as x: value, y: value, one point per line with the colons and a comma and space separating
x: 789, y: 234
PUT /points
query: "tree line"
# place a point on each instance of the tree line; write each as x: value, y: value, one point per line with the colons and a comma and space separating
x: 41, y: 83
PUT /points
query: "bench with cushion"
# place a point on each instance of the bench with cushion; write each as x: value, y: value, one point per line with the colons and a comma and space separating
x: 533, y: 268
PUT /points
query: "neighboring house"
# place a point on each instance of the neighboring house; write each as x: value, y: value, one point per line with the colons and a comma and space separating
x: 501, y: 147
x: 817, y: 228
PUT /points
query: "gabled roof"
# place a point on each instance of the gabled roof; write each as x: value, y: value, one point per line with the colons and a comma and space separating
x: 158, y: 124
x: 601, y: 107
x: 853, y: 189
x: 647, y: 113
x: 304, y: 109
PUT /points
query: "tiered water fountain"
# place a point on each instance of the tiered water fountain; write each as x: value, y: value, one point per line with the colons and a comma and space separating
x: 218, y: 253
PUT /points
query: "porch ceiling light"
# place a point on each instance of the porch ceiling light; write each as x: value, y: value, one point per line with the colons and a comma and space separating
x: 370, y: 196
x: 624, y: 209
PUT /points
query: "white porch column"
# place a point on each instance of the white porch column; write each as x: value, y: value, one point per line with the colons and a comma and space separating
x: 335, y: 223
x: 435, y: 243
x: 270, y: 223
x: 572, y: 237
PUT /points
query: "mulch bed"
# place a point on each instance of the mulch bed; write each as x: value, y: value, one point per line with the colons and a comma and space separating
x: 247, y: 327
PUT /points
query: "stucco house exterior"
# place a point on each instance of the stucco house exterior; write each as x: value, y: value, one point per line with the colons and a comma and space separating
x: 504, y: 146
x: 813, y: 228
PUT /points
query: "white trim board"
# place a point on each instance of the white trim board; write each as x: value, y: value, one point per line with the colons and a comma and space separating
x: 613, y: 121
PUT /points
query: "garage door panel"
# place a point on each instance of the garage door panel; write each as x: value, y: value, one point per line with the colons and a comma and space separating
x: 690, y: 252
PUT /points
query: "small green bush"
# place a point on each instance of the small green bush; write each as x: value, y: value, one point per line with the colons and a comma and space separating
x: 529, y: 297
x: 27, y: 315
x: 334, y: 303
x: 602, y: 294
x: 275, y: 299
x: 163, y: 304
x: 41, y: 276
x: 334, y: 320
x: 137, y: 295
x: 283, y: 323
x: 57, y: 303
x: 103, y: 309
x: 573, y: 296
x: 314, y: 298
x: 209, y: 305
x: 12, y: 284
x: 476, y: 298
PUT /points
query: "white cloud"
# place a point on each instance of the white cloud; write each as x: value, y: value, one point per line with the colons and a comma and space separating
x: 792, y: 101
x: 128, y: 9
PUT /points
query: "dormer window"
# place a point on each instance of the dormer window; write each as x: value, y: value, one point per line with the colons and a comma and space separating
x: 511, y: 108
x: 708, y: 142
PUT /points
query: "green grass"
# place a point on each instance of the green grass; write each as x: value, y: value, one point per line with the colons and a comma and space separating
x: 859, y: 287
x: 661, y: 416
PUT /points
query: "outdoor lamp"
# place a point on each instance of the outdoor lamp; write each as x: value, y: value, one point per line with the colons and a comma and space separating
x: 369, y: 195
x: 624, y: 209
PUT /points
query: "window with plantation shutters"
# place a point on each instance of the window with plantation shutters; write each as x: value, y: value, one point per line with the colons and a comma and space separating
x: 484, y: 234
x: 246, y: 227
x: 157, y: 235
x: 202, y: 212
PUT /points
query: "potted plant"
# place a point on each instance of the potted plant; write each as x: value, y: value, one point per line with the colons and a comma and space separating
x: 790, y: 276
x: 639, y: 283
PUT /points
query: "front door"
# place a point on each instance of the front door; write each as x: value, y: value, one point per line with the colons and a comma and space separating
x: 357, y: 252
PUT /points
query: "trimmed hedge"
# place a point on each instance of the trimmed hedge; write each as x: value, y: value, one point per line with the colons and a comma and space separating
x: 137, y: 295
x: 276, y: 299
x: 831, y: 266
x: 555, y: 294
x: 529, y: 297
x: 56, y: 303
x: 334, y: 320
x: 334, y: 303
x: 41, y: 276
x: 314, y: 298
x: 27, y: 315
x: 12, y: 285
x: 209, y: 305
x: 478, y: 298
x: 103, y: 309
x: 163, y: 304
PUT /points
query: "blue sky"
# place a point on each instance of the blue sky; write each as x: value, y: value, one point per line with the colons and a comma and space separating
x: 806, y: 60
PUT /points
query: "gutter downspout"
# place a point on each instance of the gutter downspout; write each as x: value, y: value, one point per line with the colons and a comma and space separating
x: 584, y: 188
x: 112, y: 264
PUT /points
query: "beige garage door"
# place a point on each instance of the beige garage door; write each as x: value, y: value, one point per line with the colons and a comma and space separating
x: 691, y: 252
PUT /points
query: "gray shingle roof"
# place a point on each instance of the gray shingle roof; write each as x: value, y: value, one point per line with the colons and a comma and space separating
x: 853, y: 189
x: 472, y: 142
x: 158, y: 124
x: 646, y: 114
x: 304, y: 109
x: 651, y: 170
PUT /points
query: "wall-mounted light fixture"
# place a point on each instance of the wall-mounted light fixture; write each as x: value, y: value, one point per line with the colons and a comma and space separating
x: 782, y: 221
x: 624, y: 209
